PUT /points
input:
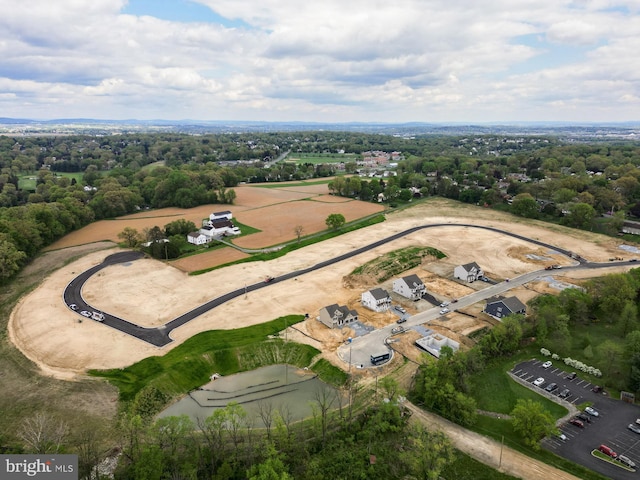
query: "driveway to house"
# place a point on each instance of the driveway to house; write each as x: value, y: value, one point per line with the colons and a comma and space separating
x: 374, y: 342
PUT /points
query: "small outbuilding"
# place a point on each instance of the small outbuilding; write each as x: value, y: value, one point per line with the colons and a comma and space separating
x: 409, y: 287
x: 376, y: 299
x: 337, y: 316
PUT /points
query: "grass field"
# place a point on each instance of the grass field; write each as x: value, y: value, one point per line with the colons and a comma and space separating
x: 190, y: 365
x: 466, y: 467
x: 495, y: 391
x: 27, y: 181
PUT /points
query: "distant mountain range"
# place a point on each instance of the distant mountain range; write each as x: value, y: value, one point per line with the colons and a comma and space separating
x: 90, y: 126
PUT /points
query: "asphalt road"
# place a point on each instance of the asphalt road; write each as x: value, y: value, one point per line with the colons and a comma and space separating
x: 375, y: 341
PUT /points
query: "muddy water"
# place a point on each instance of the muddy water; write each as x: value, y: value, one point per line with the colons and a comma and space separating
x: 291, y: 391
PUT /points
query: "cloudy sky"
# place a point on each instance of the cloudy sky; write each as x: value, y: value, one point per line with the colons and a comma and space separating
x: 321, y: 60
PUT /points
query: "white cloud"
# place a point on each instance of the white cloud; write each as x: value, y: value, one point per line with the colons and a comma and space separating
x: 333, y: 60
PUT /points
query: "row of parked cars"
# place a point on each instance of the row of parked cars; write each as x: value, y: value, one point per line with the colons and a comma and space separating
x: 620, y: 458
x: 584, y: 417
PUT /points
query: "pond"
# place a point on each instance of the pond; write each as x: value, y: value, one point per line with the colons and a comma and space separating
x: 283, y: 388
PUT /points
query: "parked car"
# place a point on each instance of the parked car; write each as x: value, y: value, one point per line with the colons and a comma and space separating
x: 444, y: 311
x: 84, y: 313
x: 73, y: 306
x: 583, y: 417
x: 395, y: 330
x: 572, y: 375
x: 607, y: 451
x: 597, y: 389
x: 562, y: 436
x: 400, y: 309
x: 591, y: 411
x: 401, y: 320
x: 634, y: 428
x: 564, y: 393
x: 547, y: 364
x: 538, y: 381
x: 576, y: 422
x: 551, y: 387
x: 444, y: 304
x: 627, y: 461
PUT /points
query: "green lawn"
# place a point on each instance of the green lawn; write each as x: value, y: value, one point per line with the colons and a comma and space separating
x: 27, y: 181
x: 190, y: 365
x: 495, y: 391
x: 465, y: 467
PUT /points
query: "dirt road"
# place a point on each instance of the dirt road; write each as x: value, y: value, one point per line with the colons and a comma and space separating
x: 488, y: 451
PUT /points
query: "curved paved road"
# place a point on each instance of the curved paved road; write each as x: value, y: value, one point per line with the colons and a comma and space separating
x: 160, y: 336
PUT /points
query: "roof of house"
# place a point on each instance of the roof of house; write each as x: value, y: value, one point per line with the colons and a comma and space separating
x: 512, y: 303
x: 226, y: 212
x: 413, y: 280
x: 332, y: 309
x: 194, y: 234
x: 222, y: 224
x: 470, y: 266
x: 379, y: 293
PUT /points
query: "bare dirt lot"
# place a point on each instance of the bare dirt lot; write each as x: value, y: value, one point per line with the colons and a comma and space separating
x: 150, y: 292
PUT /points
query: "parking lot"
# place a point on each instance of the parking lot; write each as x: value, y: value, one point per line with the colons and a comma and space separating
x: 608, y: 428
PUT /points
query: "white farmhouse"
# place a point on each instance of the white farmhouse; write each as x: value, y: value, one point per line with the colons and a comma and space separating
x: 218, y: 225
x: 376, y: 299
x: 410, y: 287
x: 469, y: 272
x: 197, y: 238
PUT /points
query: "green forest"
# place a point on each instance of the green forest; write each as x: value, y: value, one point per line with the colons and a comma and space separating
x: 50, y: 186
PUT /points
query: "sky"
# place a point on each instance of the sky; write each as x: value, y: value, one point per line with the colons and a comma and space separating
x: 441, y: 61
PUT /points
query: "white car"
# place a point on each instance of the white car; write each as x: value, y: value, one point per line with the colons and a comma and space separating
x: 444, y: 304
x: 538, y: 381
x: 591, y: 411
x: 444, y: 311
x: 400, y: 309
x: 73, y: 306
x: 547, y: 364
x: 84, y: 313
x: 562, y: 436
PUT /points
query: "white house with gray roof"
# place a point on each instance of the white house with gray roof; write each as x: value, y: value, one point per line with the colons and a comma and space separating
x: 409, y: 287
x: 376, y: 299
x: 469, y: 272
x: 337, y: 316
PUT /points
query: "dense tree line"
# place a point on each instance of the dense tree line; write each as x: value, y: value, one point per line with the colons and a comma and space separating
x: 378, y: 442
x: 539, y: 176
x: 443, y: 386
x: 559, y: 323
